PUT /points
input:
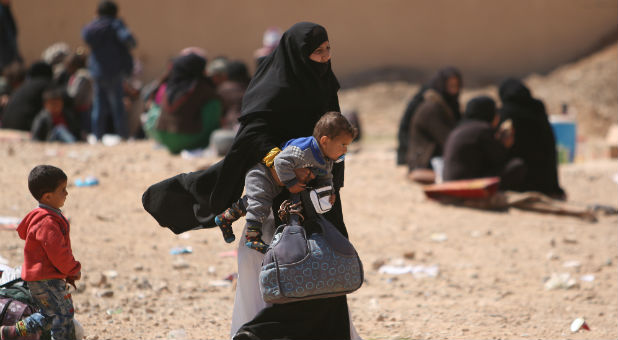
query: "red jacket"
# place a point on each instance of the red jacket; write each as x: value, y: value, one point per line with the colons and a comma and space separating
x: 47, y: 253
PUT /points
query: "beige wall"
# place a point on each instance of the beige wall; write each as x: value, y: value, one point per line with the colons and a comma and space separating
x: 484, y: 38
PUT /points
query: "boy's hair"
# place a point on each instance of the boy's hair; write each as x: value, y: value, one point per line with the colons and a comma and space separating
x: 44, y: 179
x: 107, y: 8
x: 53, y: 92
x: 333, y: 124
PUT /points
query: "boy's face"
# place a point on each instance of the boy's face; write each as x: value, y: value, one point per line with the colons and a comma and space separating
x: 54, y: 106
x: 334, y: 148
x: 56, y: 198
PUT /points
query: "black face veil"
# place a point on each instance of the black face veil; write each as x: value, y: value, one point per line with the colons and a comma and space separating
x: 288, y: 80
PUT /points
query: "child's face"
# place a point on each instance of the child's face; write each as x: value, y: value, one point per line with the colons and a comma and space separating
x: 334, y: 148
x: 54, y: 106
x: 56, y: 198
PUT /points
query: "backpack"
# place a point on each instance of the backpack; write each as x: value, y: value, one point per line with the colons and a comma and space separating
x: 16, y: 303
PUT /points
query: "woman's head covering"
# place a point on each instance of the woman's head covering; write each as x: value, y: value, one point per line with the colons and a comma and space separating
x: 438, y: 83
x: 40, y: 69
x: 287, y: 82
x: 480, y: 108
x: 517, y: 100
x: 186, y: 71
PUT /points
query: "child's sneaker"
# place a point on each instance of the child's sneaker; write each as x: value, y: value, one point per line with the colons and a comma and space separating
x: 225, y: 220
x: 254, y: 239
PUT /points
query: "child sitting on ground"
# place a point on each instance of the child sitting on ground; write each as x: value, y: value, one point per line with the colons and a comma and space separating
x: 54, y: 123
x: 299, y: 161
x: 48, y: 259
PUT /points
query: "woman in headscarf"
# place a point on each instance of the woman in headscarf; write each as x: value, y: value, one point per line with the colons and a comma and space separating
x: 475, y: 149
x: 27, y: 101
x: 190, y: 109
x: 534, y: 143
x: 433, y: 119
x: 292, y: 88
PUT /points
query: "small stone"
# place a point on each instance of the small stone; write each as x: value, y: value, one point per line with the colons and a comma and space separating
x: 105, y: 293
x: 409, y: 255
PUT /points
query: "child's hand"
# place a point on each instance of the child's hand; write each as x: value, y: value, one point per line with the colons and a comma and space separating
x: 296, y: 188
x: 332, y: 199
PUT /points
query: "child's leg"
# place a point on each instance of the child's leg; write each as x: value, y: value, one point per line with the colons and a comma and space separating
x: 55, y: 302
x: 254, y: 237
x: 231, y: 214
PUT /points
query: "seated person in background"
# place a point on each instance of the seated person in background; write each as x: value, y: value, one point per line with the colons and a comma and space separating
x: 270, y: 41
x: 231, y: 92
x: 80, y: 89
x: 27, y: 101
x: 54, y: 123
x: 534, y: 143
x: 434, y: 119
x: 190, y: 109
x: 300, y: 161
x: 11, y: 79
x: 477, y: 149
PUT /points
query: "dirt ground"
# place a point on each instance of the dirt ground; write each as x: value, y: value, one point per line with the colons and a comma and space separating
x: 492, y: 268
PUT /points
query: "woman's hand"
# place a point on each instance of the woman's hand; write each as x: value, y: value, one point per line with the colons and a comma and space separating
x: 296, y: 188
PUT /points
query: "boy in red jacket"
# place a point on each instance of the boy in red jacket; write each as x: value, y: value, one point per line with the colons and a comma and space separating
x: 49, y: 265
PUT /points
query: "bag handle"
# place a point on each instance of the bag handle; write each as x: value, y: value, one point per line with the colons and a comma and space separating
x: 290, y: 211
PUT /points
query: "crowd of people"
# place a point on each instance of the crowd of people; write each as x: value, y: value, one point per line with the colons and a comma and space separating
x: 285, y: 130
x: 514, y: 142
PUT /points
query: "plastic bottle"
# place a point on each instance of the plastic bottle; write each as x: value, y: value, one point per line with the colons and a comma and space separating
x: 565, y: 132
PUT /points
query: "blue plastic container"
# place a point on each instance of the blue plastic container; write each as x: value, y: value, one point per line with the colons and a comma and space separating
x: 566, y: 139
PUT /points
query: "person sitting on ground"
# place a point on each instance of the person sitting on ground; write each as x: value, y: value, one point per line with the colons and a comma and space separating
x: 80, y: 89
x: 231, y: 92
x: 27, y: 101
x: 476, y: 149
x: 534, y: 143
x: 48, y: 259
x: 11, y: 79
x: 300, y: 161
x: 433, y: 120
x: 55, y: 123
x: 190, y: 109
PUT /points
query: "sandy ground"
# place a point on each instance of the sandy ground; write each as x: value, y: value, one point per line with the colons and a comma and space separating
x: 491, y: 267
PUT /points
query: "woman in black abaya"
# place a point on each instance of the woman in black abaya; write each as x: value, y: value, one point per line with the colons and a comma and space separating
x: 291, y: 89
x: 534, y: 143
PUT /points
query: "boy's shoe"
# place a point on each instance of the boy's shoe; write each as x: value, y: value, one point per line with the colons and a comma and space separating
x: 225, y: 220
x: 9, y: 333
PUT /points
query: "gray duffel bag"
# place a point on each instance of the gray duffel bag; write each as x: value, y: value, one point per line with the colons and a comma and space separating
x: 298, y: 267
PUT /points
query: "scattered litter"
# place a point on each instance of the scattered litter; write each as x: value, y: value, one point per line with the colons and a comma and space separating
x: 439, y: 237
x: 560, y: 281
x: 571, y: 264
x: 578, y: 324
x: 212, y: 269
x: 418, y: 271
x: 113, y: 311
x: 180, y: 334
x: 9, y: 220
x: 231, y: 253
x: 87, y: 182
x: 220, y: 283
x: 552, y: 256
x: 231, y: 277
x: 110, y: 274
x: 181, y: 250
x: 587, y: 278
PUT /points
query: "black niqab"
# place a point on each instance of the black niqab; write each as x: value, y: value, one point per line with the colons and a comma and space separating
x: 186, y: 71
x: 287, y: 78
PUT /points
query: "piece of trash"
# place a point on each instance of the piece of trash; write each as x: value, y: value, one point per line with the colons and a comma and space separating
x: 439, y: 237
x: 9, y: 220
x: 180, y: 334
x: 231, y: 253
x: 192, y: 154
x: 560, y: 281
x: 418, y: 271
x: 87, y: 182
x: 231, y: 277
x: 220, y: 283
x: 113, y: 311
x: 110, y: 274
x: 212, y: 269
x: 587, y: 278
x: 181, y: 250
x: 552, y: 256
x: 571, y: 264
x: 578, y: 324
